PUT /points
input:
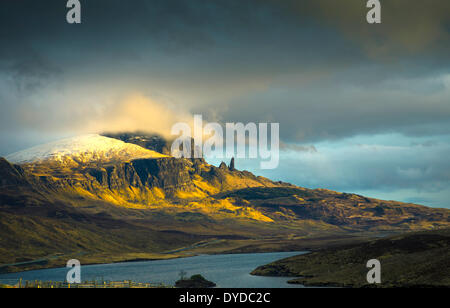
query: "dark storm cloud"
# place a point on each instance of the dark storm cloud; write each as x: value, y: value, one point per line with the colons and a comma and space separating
x: 275, y: 34
x: 407, y: 28
x: 334, y: 109
x: 198, y: 48
x: 28, y: 70
x: 328, y: 72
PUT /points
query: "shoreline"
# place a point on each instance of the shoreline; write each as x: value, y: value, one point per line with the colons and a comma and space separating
x: 93, y: 263
x: 148, y: 260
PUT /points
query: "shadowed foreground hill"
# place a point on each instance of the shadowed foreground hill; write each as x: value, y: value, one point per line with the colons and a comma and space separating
x: 419, y: 259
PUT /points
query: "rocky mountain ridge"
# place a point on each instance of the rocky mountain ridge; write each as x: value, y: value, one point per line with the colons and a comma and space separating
x: 174, y: 201
x: 163, y: 181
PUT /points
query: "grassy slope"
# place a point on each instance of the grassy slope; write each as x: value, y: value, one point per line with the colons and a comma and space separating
x: 412, y: 259
x: 52, y: 241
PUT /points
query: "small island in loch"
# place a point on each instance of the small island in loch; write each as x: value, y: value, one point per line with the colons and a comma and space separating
x: 196, y: 281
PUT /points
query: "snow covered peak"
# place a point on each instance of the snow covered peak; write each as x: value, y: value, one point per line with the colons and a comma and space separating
x: 85, y: 148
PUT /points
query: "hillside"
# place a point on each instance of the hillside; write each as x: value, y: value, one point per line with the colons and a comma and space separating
x: 410, y: 260
x: 106, y: 199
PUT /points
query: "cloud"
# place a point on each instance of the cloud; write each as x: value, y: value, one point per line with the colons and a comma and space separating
x: 27, y: 70
x: 76, y: 111
x: 408, y: 27
x: 137, y: 113
x: 305, y: 64
x: 337, y: 108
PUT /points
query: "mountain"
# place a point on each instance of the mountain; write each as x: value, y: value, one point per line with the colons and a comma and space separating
x: 117, y: 198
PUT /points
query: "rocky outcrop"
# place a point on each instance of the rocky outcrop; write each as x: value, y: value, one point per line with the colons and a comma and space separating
x: 232, y: 168
x: 223, y: 166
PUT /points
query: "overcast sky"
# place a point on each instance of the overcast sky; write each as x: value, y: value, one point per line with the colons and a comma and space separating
x: 362, y: 108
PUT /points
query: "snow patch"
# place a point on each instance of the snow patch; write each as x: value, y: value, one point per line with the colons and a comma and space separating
x: 84, y: 148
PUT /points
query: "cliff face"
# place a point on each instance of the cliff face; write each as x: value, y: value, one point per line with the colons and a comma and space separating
x: 169, y: 174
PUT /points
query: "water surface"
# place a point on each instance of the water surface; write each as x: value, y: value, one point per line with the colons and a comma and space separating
x: 226, y: 270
